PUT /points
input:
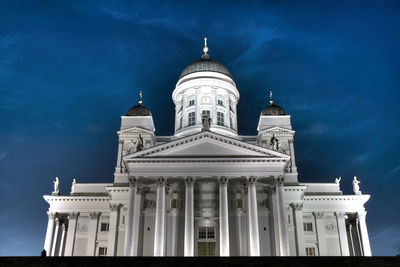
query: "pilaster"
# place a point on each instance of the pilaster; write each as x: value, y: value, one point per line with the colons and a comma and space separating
x: 298, y: 217
x: 92, y: 233
x: 364, y: 234
x: 113, y: 229
x: 130, y: 223
x: 319, y: 222
x: 344, y: 244
x: 70, y: 241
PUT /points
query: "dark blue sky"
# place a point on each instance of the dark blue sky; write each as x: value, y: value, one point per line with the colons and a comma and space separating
x: 68, y: 71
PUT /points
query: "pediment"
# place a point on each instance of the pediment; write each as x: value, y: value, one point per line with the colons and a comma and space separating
x: 206, y: 144
x: 134, y: 131
x: 277, y: 131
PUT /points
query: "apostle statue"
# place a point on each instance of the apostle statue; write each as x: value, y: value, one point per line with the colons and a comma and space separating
x: 274, y: 143
x: 337, y: 180
x: 139, y: 145
x: 206, y: 120
x: 73, y: 186
x: 56, y: 185
x: 356, y: 187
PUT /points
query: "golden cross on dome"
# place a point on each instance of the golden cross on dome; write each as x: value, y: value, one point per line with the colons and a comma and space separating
x: 140, y: 98
x: 205, y: 49
x: 271, y: 101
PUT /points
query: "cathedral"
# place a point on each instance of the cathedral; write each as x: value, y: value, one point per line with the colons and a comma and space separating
x: 206, y: 190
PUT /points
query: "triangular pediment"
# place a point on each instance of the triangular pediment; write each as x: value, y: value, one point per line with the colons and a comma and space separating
x: 206, y: 144
x: 277, y: 131
x: 134, y: 131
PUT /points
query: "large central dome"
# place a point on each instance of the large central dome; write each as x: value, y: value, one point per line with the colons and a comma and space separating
x: 205, y: 64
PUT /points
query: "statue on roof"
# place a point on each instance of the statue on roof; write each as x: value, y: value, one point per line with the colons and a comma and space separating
x: 356, y: 187
x: 73, y: 186
x: 139, y: 145
x: 337, y: 180
x: 56, y: 186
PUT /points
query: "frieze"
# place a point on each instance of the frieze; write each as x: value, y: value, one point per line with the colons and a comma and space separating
x: 220, y: 139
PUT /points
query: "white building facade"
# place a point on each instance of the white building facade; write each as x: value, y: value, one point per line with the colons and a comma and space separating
x: 206, y: 190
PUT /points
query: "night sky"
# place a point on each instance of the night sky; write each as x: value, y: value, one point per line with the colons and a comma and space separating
x: 68, y: 71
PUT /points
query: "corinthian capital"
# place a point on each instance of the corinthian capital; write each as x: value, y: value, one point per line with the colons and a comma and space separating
x: 73, y: 215
x: 161, y: 181
x: 251, y: 180
x: 189, y: 180
x: 115, y: 207
x: 133, y: 180
x: 223, y: 180
x: 94, y: 215
x: 340, y: 214
x: 51, y: 215
x: 319, y: 215
x: 297, y: 206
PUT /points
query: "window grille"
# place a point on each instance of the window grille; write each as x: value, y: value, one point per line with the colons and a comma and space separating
x: 102, y: 251
x: 310, y: 251
x: 220, y: 118
x: 205, y: 112
x: 191, y: 118
x: 104, y: 227
x: 307, y: 227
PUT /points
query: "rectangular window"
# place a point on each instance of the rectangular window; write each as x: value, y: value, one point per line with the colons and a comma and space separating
x: 307, y: 227
x: 220, y: 118
x: 210, y: 233
x: 191, y: 118
x: 191, y: 102
x: 104, y: 227
x: 206, y: 233
x: 310, y: 251
x: 202, y: 233
x: 102, y: 251
x: 220, y: 102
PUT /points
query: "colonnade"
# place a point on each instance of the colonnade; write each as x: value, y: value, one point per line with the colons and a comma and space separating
x: 189, y: 231
x: 357, y: 235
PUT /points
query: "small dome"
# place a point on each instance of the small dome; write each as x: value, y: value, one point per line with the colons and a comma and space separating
x: 273, y: 110
x: 138, y: 110
x: 205, y: 64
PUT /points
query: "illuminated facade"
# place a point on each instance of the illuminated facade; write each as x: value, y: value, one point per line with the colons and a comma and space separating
x: 206, y: 190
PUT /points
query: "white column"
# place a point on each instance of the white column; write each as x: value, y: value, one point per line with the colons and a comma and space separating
x: 56, y: 239
x: 320, y: 225
x: 70, y: 242
x: 254, y: 238
x: 64, y: 229
x: 113, y: 229
x: 49, y: 233
x: 159, y: 232
x: 344, y: 244
x: 364, y: 234
x: 283, y: 223
x: 189, y: 218
x: 130, y: 222
x: 223, y: 217
x: 92, y: 233
x: 355, y: 235
x: 298, y: 217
